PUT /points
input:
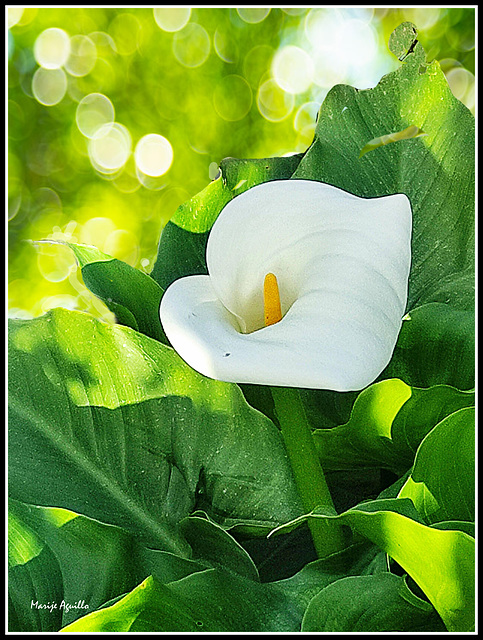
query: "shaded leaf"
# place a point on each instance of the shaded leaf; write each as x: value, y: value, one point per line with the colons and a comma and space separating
x: 121, y: 430
x: 132, y: 295
x: 74, y: 560
x: 374, y: 603
x: 436, y: 346
x: 212, y: 600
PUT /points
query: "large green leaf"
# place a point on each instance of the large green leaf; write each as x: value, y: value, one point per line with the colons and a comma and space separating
x: 442, y: 482
x: 34, y: 576
x: 389, y: 420
x: 118, y: 428
x: 436, y: 346
x: 208, y: 601
x: 436, y: 172
x: 440, y: 561
x: 221, y: 599
x: 56, y: 556
x: 375, y: 603
x: 218, y: 600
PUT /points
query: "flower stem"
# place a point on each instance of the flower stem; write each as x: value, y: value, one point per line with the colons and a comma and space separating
x: 327, y: 535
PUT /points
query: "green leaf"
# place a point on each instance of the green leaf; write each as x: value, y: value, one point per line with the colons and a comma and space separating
x: 34, y: 576
x: 211, y: 547
x: 389, y: 420
x: 374, y: 603
x: 441, y: 562
x: 216, y: 547
x: 132, y: 295
x: 220, y: 600
x: 436, y: 171
x: 120, y: 429
x: 442, y: 482
x: 212, y: 600
x: 73, y: 560
x: 436, y: 346
x: 182, y: 246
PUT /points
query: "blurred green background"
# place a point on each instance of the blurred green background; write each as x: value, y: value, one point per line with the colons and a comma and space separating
x: 118, y: 115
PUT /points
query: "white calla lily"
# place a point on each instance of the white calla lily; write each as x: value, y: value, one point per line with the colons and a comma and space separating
x: 342, y: 264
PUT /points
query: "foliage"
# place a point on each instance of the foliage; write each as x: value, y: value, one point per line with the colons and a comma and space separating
x: 142, y: 493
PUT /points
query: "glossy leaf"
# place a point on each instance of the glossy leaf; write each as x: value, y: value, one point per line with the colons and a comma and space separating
x: 74, y: 560
x: 442, y: 482
x: 375, y: 603
x: 120, y: 430
x: 406, y: 134
x: 133, y: 296
x: 436, y: 171
x: 389, y: 420
x: 441, y: 562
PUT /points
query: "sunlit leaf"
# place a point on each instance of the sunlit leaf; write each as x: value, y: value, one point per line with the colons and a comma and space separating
x: 442, y: 482
x: 389, y: 420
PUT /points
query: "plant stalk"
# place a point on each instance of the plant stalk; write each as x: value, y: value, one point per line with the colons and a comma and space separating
x: 327, y: 535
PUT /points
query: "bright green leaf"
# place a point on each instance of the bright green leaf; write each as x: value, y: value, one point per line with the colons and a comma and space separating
x: 129, y: 293
x: 389, y: 420
x: 442, y: 482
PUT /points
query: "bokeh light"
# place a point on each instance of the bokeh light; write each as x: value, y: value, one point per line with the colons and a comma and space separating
x: 153, y: 155
x: 82, y: 57
x: 49, y: 86
x: 191, y: 86
x: 232, y: 98
x: 273, y: 103
x: 94, y: 111
x: 293, y: 69
x: 52, y: 48
x: 126, y: 32
x: 110, y: 147
x: 14, y: 15
x: 191, y: 45
x: 253, y: 15
x: 172, y: 19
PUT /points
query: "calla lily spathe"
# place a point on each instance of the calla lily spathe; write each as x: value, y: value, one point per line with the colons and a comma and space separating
x: 342, y: 264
